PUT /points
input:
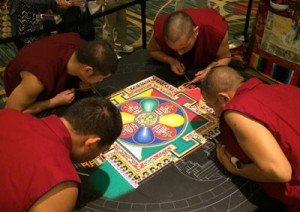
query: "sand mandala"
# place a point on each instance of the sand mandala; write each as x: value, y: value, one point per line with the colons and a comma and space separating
x: 161, y: 125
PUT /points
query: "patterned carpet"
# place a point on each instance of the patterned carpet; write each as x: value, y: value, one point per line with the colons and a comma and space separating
x: 233, y: 10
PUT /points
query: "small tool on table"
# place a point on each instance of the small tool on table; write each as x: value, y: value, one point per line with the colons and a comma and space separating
x: 189, y: 82
x: 186, y: 77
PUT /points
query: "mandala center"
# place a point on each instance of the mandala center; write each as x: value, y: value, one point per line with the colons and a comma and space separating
x: 146, y: 119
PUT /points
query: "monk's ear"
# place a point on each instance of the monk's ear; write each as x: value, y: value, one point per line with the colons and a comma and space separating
x: 224, y: 97
x: 88, y: 70
x: 196, y: 30
x: 92, y: 140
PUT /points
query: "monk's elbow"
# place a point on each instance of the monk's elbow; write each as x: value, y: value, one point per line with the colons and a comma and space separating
x: 287, y: 175
x: 283, y: 174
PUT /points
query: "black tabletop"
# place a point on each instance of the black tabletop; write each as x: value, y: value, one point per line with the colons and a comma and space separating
x: 196, y: 183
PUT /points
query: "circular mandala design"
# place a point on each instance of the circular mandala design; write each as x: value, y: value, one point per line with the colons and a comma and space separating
x: 146, y: 119
x: 151, y: 121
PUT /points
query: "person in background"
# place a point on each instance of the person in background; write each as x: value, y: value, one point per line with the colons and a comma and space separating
x: 37, y: 155
x: 260, y: 131
x: 47, y: 72
x: 189, y: 39
x: 77, y: 18
x: 24, y: 17
x: 115, y: 27
x: 180, y: 4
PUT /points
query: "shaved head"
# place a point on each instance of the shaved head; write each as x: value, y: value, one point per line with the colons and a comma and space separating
x: 221, y: 79
x: 177, y: 24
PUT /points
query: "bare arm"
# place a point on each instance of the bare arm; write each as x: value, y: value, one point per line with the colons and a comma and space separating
x: 155, y: 51
x: 224, y: 54
x: 23, y: 97
x: 269, y: 162
x: 62, y: 197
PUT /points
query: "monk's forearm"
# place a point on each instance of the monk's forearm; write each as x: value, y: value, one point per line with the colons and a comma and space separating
x: 40, y: 106
x: 252, y: 172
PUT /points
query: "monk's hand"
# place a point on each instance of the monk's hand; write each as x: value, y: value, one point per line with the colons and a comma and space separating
x: 177, y: 67
x: 199, y: 76
x: 225, y: 158
x: 64, y: 98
